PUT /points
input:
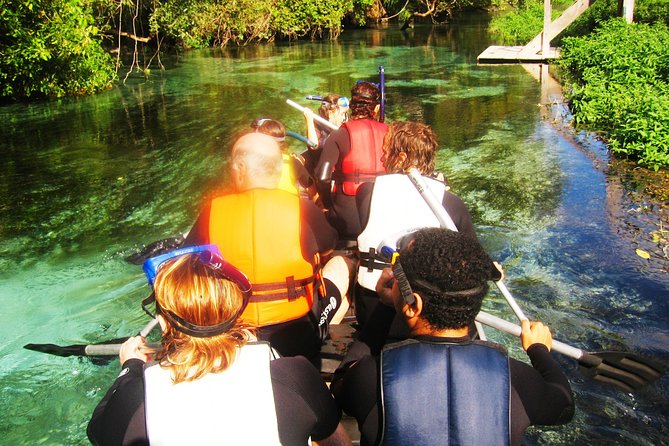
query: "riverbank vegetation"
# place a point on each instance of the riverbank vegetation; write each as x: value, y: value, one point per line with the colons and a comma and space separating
x: 56, y: 48
x: 615, y: 75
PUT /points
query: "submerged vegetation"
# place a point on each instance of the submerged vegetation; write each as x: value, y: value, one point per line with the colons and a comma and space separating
x: 616, y: 74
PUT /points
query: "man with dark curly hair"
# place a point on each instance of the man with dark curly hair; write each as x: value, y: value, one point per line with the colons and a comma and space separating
x: 439, y: 387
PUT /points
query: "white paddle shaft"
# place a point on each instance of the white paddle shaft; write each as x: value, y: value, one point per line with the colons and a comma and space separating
x: 325, y: 122
x: 447, y: 222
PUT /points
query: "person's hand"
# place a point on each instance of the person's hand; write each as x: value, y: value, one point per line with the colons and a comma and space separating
x: 501, y: 271
x: 135, y: 348
x: 384, y: 287
x: 535, y: 333
x: 308, y: 114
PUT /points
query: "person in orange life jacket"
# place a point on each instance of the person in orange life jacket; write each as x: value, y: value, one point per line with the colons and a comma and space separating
x: 352, y: 156
x: 277, y: 239
x: 212, y: 383
x: 293, y: 174
x: 392, y: 205
x: 439, y: 387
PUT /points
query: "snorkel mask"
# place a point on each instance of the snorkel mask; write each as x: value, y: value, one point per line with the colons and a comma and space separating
x: 210, y: 256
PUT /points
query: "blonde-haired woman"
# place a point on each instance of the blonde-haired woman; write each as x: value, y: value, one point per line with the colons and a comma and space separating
x: 211, y: 382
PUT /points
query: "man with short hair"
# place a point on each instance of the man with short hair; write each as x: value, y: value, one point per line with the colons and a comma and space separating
x: 440, y: 387
x: 277, y: 239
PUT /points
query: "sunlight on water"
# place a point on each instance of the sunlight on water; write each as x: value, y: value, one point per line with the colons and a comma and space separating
x: 89, y: 181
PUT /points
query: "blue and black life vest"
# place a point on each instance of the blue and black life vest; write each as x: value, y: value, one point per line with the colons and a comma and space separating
x: 445, y: 394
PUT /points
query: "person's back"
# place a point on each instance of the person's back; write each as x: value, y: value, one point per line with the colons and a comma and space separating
x: 351, y: 157
x: 276, y: 238
x: 392, y: 205
x: 440, y: 387
x: 211, y: 383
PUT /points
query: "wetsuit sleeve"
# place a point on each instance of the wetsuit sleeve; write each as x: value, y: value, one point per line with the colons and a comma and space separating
x: 543, y: 389
x: 304, y: 405
x: 316, y: 233
x: 301, y: 175
x: 119, y: 418
x: 335, y: 148
x: 199, y: 233
x: 363, y: 200
x: 459, y: 214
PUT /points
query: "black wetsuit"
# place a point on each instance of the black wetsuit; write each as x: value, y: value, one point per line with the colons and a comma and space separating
x: 540, y: 394
x: 304, y: 407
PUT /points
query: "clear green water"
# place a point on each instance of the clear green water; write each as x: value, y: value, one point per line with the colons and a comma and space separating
x: 87, y: 181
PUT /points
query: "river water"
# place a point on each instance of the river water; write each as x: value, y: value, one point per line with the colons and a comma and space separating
x: 88, y: 181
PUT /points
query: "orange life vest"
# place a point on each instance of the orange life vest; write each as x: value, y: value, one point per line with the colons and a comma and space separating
x: 363, y: 162
x: 258, y: 231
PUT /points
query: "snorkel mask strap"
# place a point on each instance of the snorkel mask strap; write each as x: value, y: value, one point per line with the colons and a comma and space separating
x: 402, y: 281
x: 209, y: 255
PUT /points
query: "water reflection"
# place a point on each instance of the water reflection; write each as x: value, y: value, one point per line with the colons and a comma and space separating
x: 88, y: 180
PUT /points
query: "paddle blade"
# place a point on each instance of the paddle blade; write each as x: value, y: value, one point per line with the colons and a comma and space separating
x: 53, y: 349
x: 156, y: 248
x: 106, y: 348
x: 626, y: 371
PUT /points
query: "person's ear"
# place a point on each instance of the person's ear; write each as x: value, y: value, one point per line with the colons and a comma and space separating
x: 376, y: 109
x: 414, y: 310
x: 402, y: 160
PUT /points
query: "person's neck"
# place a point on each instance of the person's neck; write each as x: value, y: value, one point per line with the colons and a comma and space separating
x: 426, y: 330
x: 258, y: 185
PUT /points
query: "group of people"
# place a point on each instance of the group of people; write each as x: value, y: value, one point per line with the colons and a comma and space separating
x: 245, y: 307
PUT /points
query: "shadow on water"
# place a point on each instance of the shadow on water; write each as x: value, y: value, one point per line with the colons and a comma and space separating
x: 87, y: 181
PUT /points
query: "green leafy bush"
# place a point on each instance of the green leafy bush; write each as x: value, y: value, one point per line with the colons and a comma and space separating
x: 619, y: 84
x: 520, y: 25
x: 51, y: 48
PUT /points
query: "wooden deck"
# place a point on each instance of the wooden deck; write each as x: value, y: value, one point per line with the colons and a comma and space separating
x: 514, y: 54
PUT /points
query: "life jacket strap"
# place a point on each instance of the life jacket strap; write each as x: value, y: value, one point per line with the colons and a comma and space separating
x: 372, y: 261
x: 290, y: 289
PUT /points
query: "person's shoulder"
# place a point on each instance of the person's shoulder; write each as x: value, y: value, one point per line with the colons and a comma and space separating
x: 295, y: 372
x: 289, y: 366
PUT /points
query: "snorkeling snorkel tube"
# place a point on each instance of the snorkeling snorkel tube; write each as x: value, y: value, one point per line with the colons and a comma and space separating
x: 382, y: 87
x: 302, y: 138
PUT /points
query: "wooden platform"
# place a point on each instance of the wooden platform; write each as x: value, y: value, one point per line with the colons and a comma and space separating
x: 514, y: 54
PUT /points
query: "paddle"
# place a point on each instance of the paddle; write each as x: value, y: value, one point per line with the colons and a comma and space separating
x: 627, y: 371
x: 325, y: 122
x: 156, y: 248
x: 107, y: 348
x: 382, y: 87
x: 624, y: 370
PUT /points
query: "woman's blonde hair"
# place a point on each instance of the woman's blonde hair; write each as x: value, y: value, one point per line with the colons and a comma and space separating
x: 417, y: 141
x: 198, y: 293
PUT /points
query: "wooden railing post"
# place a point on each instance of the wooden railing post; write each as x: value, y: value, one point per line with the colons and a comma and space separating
x: 626, y: 10
x: 545, y: 38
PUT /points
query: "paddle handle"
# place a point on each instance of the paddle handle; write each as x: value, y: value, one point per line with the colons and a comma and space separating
x: 148, y: 327
x: 110, y: 349
x: 514, y: 329
x: 325, y: 122
x: 445, y: 220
